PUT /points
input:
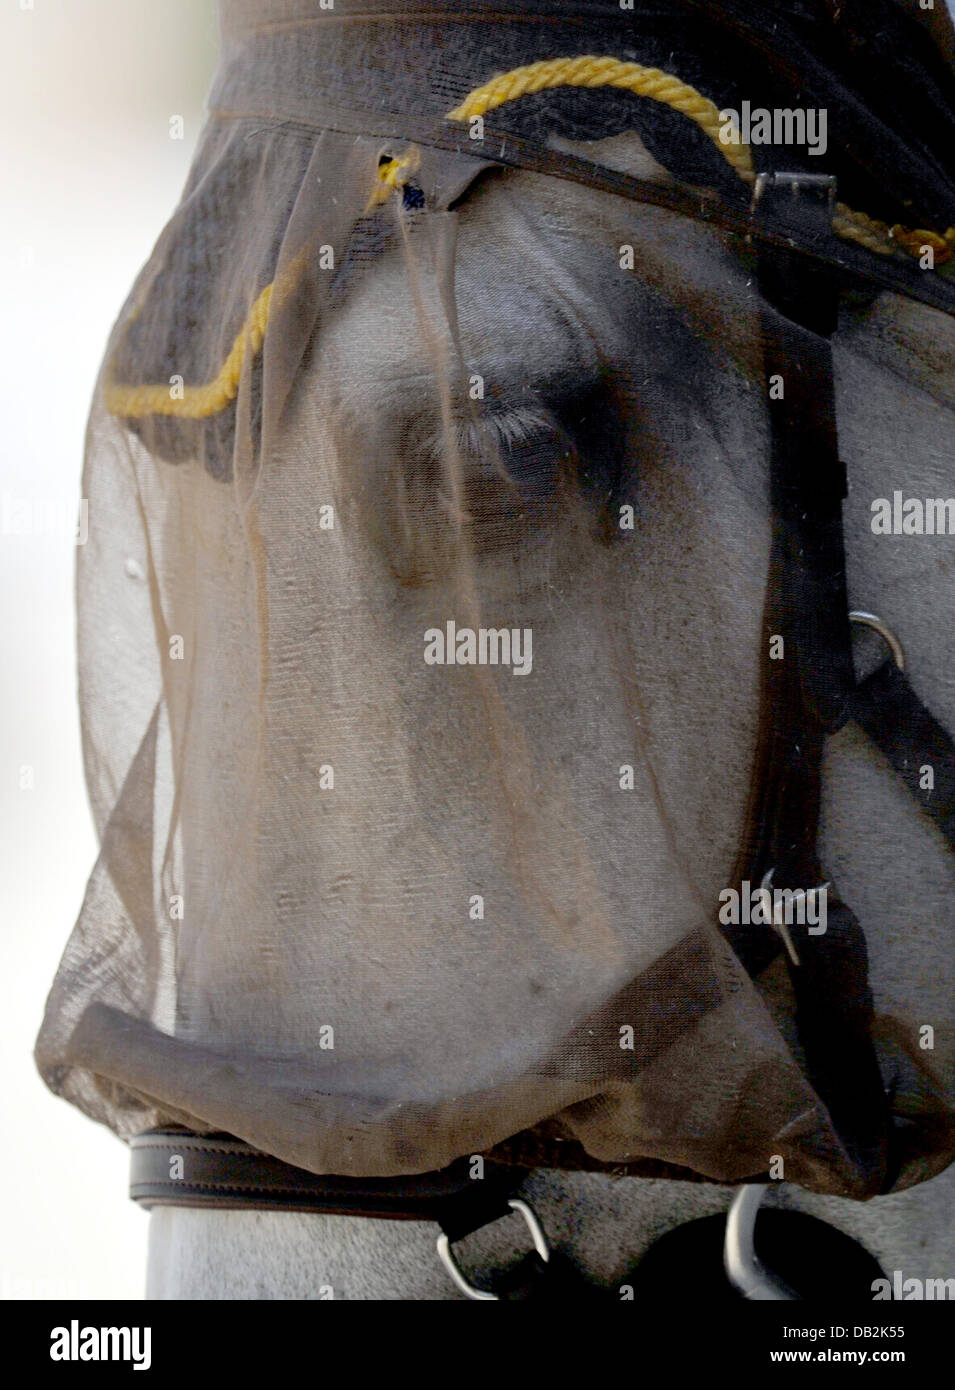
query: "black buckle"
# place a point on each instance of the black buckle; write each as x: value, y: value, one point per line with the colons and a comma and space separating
x: 785, y: 192
x: 798, y: 205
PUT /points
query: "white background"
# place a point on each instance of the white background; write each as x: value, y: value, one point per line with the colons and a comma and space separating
x: 88, y: 177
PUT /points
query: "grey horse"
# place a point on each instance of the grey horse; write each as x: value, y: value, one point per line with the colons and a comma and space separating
x: 896, y: 418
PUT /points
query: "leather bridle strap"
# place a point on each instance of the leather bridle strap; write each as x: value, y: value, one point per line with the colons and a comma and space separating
x: 810, y: 692
x: 772, y: 228
x: 808, y: 684
x: 913, y: 741
x: 175, y: 1168
x: 181, y: 1169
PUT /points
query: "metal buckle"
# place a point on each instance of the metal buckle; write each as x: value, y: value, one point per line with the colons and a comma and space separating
x: 797, y: 183
x: 885, y: 632
x: 451, y: 1265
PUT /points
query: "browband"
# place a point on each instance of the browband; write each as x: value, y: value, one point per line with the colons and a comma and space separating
x: 773, y: 228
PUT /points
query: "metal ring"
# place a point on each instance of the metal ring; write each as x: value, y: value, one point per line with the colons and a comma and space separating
x: 743, y: 1268
x: 446, y: 1255
x: 885, y: 632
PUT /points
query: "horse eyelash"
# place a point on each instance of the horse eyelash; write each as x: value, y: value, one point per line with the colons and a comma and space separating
x: 507, y: 428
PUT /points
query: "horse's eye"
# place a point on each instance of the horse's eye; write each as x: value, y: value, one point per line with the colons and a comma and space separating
x: 505, y: 470
x: 520, y: 454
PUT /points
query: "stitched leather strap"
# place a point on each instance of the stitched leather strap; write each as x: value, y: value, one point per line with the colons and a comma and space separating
x: 176, y: 1168
x: 912, y: 739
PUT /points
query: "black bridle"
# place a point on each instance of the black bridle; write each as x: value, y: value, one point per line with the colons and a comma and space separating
x: 803, y: 269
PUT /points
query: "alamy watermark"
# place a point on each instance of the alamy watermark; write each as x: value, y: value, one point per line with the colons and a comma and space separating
x: 913, y: 516
x: 483, y: 646
x: 44, y: 516
x: 905, y: 1290
x: 75, y: 1343
x: 782, y: 125
x: 804, y: 907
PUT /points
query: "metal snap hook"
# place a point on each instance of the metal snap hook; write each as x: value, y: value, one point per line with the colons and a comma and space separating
x: 446, y: 1255
x: 743, y: 1269
x: 778, y: 923
x: 885, y: 632
x: 779, y: 926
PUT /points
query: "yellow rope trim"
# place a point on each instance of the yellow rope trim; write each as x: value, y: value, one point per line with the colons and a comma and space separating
x: 199, y: 402
x: 393, y: 176
x: 196, y: 402
x: 885, y: 240
x: 591, y: 71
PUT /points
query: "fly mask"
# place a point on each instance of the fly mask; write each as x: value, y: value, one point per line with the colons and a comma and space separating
x: 389, y: 872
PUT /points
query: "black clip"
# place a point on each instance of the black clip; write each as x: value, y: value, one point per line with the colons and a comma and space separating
x: 796, y: 201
